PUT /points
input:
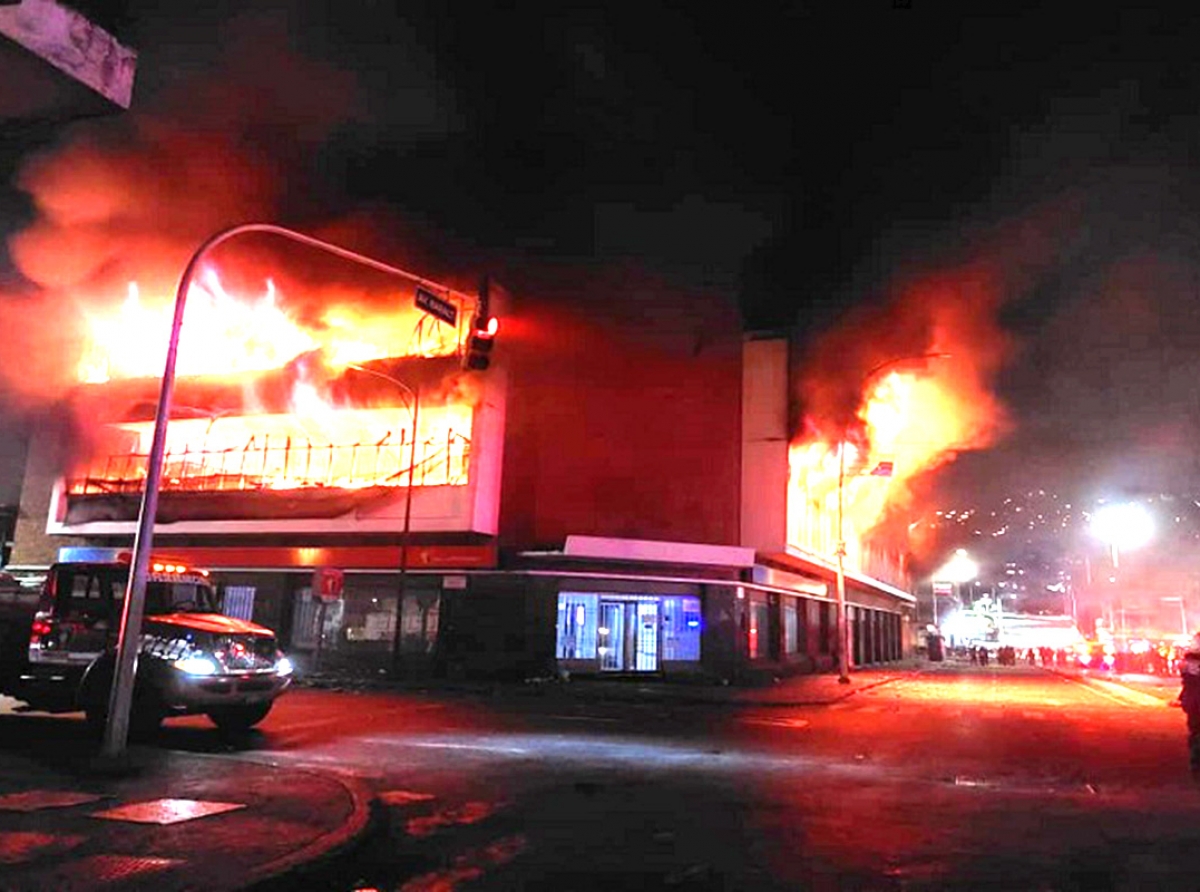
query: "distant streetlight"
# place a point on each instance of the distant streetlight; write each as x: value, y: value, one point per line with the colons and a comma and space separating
x: 959, y: 569
x: 1122, y: 526
x: 843, y: 628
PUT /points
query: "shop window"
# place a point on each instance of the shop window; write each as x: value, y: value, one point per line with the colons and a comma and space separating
x: 681, y: 629
x: 239, y: 601
x: 419, y: 622
x: 307, y: 624
x: 371, y: 618
x: 825, y: 641
x: 760, y: 624
x: 791, y: 627
x: 576, y: 626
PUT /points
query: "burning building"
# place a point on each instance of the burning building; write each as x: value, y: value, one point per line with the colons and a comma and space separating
x: 614, y: 492
x: 626, y: 487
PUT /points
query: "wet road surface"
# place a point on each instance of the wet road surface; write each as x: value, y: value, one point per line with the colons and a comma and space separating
x: 957, y: 777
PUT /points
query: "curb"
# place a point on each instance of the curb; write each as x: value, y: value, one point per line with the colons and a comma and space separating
x: 632, y: 694
x: 328, y: 844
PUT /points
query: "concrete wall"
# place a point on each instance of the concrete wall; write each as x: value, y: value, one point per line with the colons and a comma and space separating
x: 764, y: 444
x: 623, y: 420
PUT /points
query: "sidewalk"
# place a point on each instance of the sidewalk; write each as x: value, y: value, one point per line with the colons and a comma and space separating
x: 813, y: 689
x: 174, y: 821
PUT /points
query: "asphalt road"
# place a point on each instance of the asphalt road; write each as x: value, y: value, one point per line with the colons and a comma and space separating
x: 963, y: 777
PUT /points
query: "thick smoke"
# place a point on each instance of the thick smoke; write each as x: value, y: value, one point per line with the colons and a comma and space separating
x: 130, y: 198
x: 943, y: 324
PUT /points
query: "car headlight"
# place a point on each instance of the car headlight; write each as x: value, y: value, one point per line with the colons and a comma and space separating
x: 283, y: 666
x: 197, y: 664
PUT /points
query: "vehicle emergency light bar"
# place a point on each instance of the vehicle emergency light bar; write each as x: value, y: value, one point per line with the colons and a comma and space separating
x: 82, y: 554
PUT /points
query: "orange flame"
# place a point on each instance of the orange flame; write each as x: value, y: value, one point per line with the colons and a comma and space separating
x: 314, y: 445
x: 909, y: 423
x: 224, y: 334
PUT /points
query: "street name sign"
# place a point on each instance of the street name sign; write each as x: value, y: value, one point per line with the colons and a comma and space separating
x: 437, y: 306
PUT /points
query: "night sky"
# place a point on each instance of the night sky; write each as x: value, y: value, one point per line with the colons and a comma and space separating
x: 813, y: 156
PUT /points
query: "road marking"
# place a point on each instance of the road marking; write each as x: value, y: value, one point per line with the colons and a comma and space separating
x: 403, y: 797
x: 467, y: 813
x: 961, y: 781
x: 778, y: 723
x: 33, y: 800
x: 517, y: 751
x: 471, y: 865
x: 166, y: 811
x: 1118, y: 693
x: 581, y: 718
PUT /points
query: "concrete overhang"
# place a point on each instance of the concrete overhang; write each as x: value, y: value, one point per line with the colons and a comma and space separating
x: 807, y: 562
x: 657, y: 551
x: 56, y: 64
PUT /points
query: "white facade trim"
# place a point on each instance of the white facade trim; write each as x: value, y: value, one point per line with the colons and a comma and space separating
x: 605, y: 548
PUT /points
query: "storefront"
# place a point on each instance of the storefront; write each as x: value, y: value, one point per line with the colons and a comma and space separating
x: 615, y: 632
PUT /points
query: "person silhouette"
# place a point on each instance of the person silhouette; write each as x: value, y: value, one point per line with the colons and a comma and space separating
x: 1189, y: 699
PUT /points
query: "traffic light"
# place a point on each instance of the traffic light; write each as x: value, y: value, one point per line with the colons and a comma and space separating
x: 477, y: 354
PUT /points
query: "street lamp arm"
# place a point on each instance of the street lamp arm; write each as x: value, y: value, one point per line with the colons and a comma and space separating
x: 875, y: 370
x: 321, y: 245
x: 129, y: 633
x: 410, y: 395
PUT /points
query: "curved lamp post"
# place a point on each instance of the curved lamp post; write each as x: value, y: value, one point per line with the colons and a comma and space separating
x: 843, y: 628
x: 116, y: 730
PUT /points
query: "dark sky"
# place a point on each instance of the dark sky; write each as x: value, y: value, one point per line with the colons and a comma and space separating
x: 811, y: 155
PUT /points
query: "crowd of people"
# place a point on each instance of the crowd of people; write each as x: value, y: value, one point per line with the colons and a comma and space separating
x: 1007, y: 655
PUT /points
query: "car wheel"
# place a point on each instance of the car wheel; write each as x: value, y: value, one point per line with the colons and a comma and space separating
x: 239, y: 718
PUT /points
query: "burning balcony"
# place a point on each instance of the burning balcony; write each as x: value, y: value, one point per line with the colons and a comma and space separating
x: 278, y: 422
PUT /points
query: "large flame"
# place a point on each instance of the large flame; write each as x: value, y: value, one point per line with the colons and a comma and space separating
x: 316, y: 443
x: 909, y: 423
x: 227, y: 334
x: 931, y: 354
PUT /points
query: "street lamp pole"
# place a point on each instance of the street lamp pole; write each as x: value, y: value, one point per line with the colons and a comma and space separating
x: 843, y: 626
x: 129, y: 632
x: 414, y: 395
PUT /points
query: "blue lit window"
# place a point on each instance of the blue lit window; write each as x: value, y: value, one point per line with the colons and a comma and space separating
x: 576, y: 626
x: 681, y: 626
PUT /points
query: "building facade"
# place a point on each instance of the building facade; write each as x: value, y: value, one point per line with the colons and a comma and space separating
x: 610, y: 496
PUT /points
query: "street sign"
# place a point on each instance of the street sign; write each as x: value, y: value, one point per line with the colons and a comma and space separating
x: 436, y: 306
x: 327, y: 583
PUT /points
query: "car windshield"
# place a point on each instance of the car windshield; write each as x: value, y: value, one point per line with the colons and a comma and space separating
x: 179, y: 597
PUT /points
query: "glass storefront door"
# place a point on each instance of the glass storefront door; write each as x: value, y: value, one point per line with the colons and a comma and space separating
x: 628, y: 635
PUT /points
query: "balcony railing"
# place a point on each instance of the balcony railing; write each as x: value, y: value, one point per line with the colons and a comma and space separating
x: 266, y: 465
